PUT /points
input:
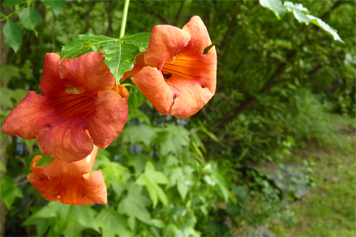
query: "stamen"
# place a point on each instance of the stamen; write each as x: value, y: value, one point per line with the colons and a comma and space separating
x: 76, y: 90
x: 172, y: 59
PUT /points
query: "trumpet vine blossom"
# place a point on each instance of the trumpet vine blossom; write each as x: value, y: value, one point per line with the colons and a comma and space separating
x: 174, y: 73
x: 79, y: 107
x: 72, y: 183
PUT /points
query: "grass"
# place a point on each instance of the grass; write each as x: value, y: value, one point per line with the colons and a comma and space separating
x: 329, y: 209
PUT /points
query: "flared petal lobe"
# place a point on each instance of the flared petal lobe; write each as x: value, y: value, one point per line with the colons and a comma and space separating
x: 66, y: 183
x: 184, y: 73
x: 166, y: 41
x: 88, y: 72
x: 152, y: 84
x: 51, y: 84
x: 69, y: 122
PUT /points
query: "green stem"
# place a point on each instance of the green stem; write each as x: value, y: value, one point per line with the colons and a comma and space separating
x: 124, y: 18
x: 14, y: 12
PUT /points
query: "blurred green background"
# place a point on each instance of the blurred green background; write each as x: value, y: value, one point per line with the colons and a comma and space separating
x: 272, y: 152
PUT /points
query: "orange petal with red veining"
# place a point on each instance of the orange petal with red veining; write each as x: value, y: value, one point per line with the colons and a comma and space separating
x: 152, y: 84
x: 183, y: 71
x: 68, y: 184
x: 88, y: 72
x: 65, y: 119
x: 166, y: 41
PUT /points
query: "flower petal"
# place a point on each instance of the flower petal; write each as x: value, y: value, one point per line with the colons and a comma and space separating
x: 87, y: 71
x: 109, y: 118
x: 190, y: 97
x: 60, y: 123
x: 95, y: 188
x: 166, y: 41
x: 28, y: 118
x: 51, y: 84
x: 199, y: 68
x: 199, y: 36
x: 152, y: 84
x: 59, y: 168
x: 67, y: 189
x: 139, y: 64
x: 65, y: 137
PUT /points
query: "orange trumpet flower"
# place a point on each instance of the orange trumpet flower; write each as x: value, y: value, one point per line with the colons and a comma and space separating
x: 72, y: 183
x: 79, y: 107
x: 174, y: 73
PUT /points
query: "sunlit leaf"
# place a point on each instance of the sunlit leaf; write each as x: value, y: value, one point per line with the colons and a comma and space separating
x: 120, y: 58
x: 141, y: 40
x: 151, y: 179
x: 290, y: 6
x: 301, y: 16
x: 182, y: 189
x: 324, y: 26
x: 83, y: 44
x: 274, y: 5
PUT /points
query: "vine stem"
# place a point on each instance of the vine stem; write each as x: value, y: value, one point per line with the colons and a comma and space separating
x: 124, y: 18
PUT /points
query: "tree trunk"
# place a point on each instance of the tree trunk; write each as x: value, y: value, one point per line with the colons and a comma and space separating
x: 4, y: 49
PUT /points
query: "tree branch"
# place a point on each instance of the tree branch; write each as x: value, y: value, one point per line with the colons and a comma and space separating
x: 250, y: 99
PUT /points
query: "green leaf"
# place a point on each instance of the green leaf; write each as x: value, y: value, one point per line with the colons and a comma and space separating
x: 141, y: 40
x: 155, y: 176
x: 139, y: 134
x: 136, y: 97
x: 182, y: 189
x: 138, y: 114
x: 5, y: 97
x: 324, y: 26
x: 301, y: 16
x: 112, y: 223
x: 220, y: 180
x: 175, y: 174
x: 158, y: 223
x: 85, y: 216
x: 290, y: 6
x: 172, y: 139
x: 134, y: 205
x: 158, y: 190
x: 112, y: 171
x: 75, y: 229
x: 83, y: 44
x: 120, y: 58
x: 29, y: 18
x: 7, y: 72
x: 151, y: 190
x: 43, y: 219
x: 12, y: 35
x: 59, y: 217
x: 7, y: 94
x: 150, y: 179
x: 9, y: 191
x: 55, y: 5
x: 275, y: 6
x: 11, y: 3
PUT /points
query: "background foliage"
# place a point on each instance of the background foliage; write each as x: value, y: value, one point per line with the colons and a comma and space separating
x: 212, y: 174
